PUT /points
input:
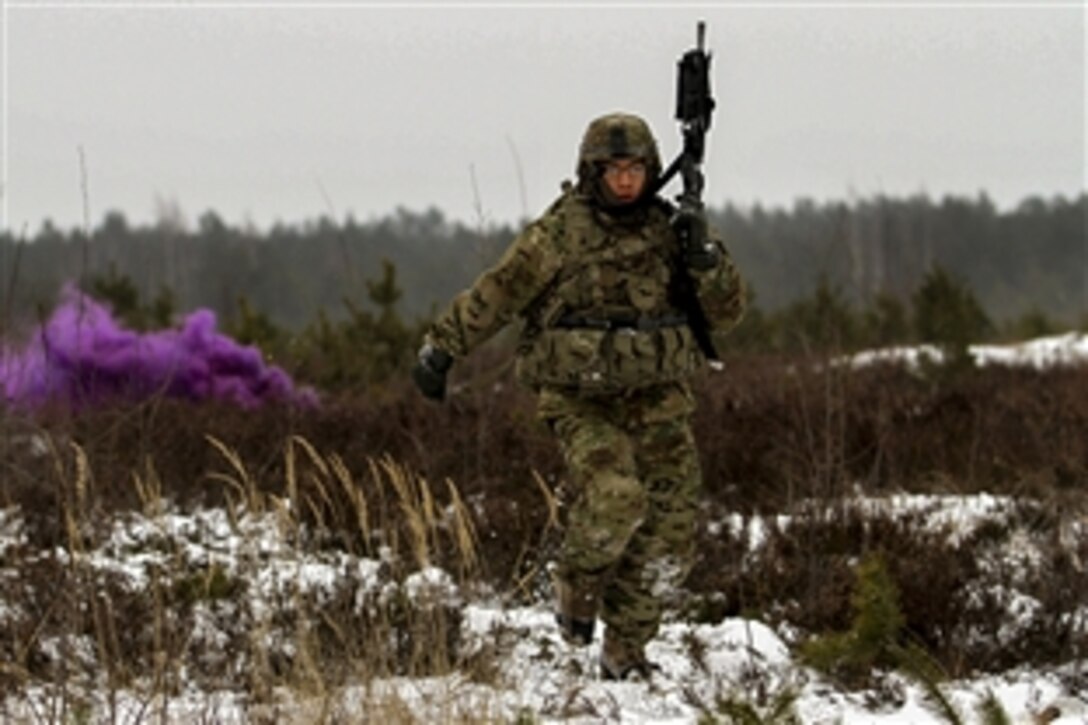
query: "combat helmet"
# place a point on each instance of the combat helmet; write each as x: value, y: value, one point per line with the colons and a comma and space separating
x: 611, y: 136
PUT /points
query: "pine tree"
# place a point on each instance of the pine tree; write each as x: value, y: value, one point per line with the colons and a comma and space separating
x: 391, y: 341
x: 122, y: 296
x: 947, y: 314
x: 885, y: 322
x: 873, y: 637
x: 253, y: 327
x: 824, y: 321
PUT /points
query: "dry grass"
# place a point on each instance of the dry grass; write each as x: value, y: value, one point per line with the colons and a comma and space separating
x: 470, y: 489
x: 79, y: 628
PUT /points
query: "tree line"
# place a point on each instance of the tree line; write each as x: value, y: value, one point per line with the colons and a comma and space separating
x: 1026, y: 267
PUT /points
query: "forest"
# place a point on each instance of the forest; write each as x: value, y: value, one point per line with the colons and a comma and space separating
x: 1026, y: 265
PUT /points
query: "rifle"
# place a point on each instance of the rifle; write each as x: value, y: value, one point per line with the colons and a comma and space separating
x: 694, y: 106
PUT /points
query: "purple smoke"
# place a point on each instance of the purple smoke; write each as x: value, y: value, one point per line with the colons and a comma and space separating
x: 83, y: 356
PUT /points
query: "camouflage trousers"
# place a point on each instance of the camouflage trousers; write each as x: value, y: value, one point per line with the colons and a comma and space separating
x: 630, y: 524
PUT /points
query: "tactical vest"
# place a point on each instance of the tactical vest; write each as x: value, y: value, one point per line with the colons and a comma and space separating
x: 606, y: 322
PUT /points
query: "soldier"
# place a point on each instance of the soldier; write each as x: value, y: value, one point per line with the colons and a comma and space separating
x: 608, y: 347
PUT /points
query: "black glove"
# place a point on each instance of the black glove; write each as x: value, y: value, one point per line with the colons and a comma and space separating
x: 429, y: 373
x: 698, y: 251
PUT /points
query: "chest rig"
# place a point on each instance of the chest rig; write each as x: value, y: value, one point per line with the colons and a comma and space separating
x: 607, y: 322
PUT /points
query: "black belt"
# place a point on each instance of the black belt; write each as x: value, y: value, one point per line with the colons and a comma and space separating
x: 643, y: 324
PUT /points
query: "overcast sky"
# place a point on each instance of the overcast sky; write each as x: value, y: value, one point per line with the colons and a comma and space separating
x: 268, y: 113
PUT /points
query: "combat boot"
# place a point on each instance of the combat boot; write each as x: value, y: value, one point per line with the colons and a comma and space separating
x: 622, y: 661
x: 575, y: 612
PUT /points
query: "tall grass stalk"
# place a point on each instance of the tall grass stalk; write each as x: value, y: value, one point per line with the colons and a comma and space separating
x: 241, y: 481
x: 539, y: 549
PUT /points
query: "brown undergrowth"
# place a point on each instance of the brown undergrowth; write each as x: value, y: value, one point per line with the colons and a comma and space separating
x: 797, y: 438
x: 770, y: 431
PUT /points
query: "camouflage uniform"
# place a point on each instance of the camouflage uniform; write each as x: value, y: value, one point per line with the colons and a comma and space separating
x: 608, y: 350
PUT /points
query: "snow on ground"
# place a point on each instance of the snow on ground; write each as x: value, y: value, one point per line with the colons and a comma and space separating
x: 1068, y: 349
x: 702, y: 665
x: 535, y: 674
x: 956, y: 515
x: 542, y: 677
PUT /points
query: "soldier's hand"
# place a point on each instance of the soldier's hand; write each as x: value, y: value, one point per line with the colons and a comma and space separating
x: 430, y: 371
x: 703, y: 256
x: 699, y: 251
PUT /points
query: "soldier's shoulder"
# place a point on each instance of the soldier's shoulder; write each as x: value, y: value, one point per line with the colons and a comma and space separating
x: 570, y: 200
x: 567, y: 211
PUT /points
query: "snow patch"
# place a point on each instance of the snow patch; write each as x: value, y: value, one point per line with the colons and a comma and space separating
x: 1045, y: 352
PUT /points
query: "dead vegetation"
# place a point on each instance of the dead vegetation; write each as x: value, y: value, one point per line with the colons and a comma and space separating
x: 468, y: 488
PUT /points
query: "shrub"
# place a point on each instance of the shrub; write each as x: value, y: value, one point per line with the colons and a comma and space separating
x: 947, y: 314
x: 874, y: 634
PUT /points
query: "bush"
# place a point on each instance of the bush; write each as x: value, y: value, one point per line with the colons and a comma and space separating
x: 874, y: 634
x: 947, y: 314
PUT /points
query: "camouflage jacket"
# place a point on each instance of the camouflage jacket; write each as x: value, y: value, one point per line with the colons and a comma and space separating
x: 598, y: 297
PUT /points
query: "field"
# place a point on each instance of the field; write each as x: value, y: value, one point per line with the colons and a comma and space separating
x: 380, y: 557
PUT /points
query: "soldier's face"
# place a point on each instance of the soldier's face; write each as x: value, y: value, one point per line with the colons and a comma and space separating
x: 625, y: 178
